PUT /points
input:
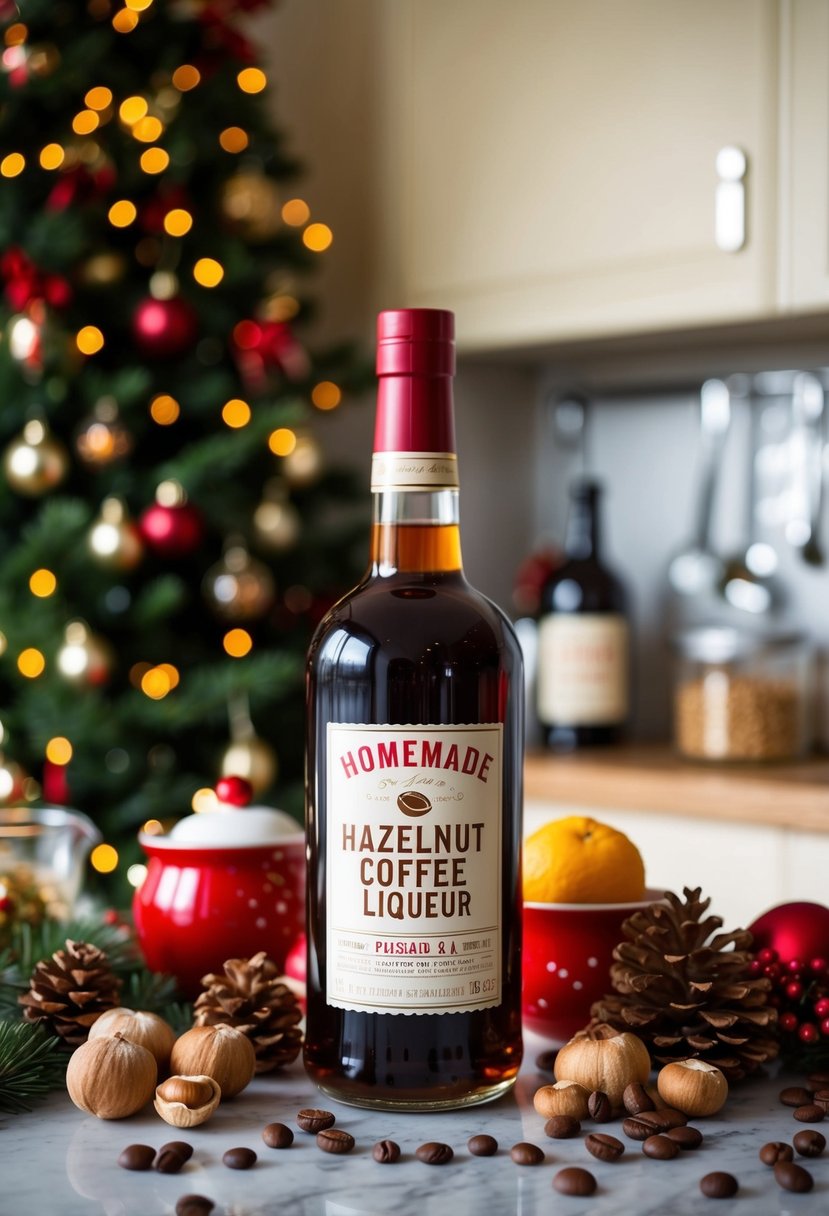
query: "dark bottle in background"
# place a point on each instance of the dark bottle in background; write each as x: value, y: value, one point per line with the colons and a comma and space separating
x: 583, y: 638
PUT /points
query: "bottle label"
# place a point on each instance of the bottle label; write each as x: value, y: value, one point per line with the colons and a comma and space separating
x: 413, y: 869
x: 582, y: 669
x: 414, y: 471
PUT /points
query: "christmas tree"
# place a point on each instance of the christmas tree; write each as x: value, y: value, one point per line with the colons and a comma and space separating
x: 169, y: 533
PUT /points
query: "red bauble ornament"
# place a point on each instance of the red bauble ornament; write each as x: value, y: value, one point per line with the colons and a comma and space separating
x: 237, y: 791
x: 795, y: 931
x: 164, y: 329
x: 171, y: 529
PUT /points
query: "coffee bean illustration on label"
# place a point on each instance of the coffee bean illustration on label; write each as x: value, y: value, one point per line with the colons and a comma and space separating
x: 414, y: 804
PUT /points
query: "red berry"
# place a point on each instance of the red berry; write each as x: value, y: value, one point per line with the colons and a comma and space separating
x: 237, y: 791
x: 755, y: 967
x: 788, y: 1022
x: 794, y: 964
x: 794, y: 990
x: 767, y: 955
x: 772, y: 971
x: 808, y: 1033
x: 818, y: 965
x: 822, y: 1007
x: 824, y: 1026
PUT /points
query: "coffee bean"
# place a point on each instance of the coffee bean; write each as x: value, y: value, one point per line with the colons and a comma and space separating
x: 795, y: 1095
x: 719, y: 1185
x: 547, y: 1059
x: 776, y: 1151
x: 598, y: 1107
x: 821, y: 1098
x: 168, y: 1160
x: 636, y: 1099
x: 816, y: 1081
x: 664, y: 1118
x: 562, y: 1127
x: 137, y: 1157
x: 434, y: 1153
x: 574, y: 1181
x: 809, y: 1114
x: 278, y: 1135
x: 194, y: 1205
x: 685, y: 1137
x: 239, y: 1158
x: 314, y: 1121
x: 482, y: 1146
x: 793, y: 1177
x: 334, y: 1140
x: 386, y: 1152
x: 603, y: 1147
x: 184, y: 1150
x: 660, y: 1148
x: 526, y: 1154
x: 636, y: 1129
x: 809, y: 1143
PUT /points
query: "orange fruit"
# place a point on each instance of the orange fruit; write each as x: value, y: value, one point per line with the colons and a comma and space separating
x: 580, y: 861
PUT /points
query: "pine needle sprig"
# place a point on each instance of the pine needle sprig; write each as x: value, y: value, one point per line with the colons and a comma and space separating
x: 30, y: 1065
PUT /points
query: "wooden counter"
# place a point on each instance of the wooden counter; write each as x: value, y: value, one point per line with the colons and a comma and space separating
x: 652, y: 778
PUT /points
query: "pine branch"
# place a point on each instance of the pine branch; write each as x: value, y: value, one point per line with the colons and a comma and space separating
x: 29, y: 944
x: 30, y: 1065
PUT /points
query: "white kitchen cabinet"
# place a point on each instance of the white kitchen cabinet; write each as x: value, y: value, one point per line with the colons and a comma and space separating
x: 547, y: 167
x: 804, y: 156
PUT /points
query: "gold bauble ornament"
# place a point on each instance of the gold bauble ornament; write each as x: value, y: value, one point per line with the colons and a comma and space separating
x: 114, y: 540
x: 303, y: 465
x: 35, y: 462
x: 238, y: 588
x: 103, y: 438
x: 103, y: 269
x: 13, y: 780
x: 276, y: 521
x: 250, y: 203
x: 85, y: 658
x: 253, y: 759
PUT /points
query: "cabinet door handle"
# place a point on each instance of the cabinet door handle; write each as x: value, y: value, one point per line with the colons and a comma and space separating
x: 730, y: 203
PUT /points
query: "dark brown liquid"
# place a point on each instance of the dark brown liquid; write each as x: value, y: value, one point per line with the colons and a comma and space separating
x: 416, y: 648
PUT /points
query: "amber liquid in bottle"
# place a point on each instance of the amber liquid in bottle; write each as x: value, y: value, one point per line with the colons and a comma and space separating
x: 414, y: 644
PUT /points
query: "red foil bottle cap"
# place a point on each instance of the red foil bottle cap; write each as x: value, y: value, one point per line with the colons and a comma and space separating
x: 416, y: 341
x: 415, y: 363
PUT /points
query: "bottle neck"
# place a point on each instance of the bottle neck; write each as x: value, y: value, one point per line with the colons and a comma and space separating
x: 415, y: 525
x: 415, y: 532
x: 582, y: 538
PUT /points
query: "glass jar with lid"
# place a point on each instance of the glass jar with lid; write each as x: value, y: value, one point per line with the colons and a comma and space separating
x: 742, y: 696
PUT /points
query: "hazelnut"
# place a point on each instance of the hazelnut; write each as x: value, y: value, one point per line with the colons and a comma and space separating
x: 147, y: 1029
x: 604, y: 1059
x: 693, y: 1087
x: 187, y: 1101
x: 563, y: 1098
x: 221, y: 1052
x: 111, y: 1077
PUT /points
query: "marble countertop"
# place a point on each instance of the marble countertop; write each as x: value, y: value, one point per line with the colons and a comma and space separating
x: 57, y: 1161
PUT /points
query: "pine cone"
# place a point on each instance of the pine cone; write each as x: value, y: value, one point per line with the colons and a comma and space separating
x: 252, y: 997
x: 70, y: 991
x: 685, y: 995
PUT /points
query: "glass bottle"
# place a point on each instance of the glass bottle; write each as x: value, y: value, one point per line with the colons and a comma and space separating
x: 583, y: 637
x: 414, y: 778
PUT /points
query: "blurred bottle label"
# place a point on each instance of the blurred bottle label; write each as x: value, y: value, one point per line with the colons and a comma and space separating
x: 583, y: 670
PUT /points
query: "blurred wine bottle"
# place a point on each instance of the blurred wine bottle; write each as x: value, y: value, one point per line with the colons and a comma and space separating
x: 582, y: 691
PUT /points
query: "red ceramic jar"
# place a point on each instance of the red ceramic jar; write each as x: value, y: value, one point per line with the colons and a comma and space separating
x: 200, y: 904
